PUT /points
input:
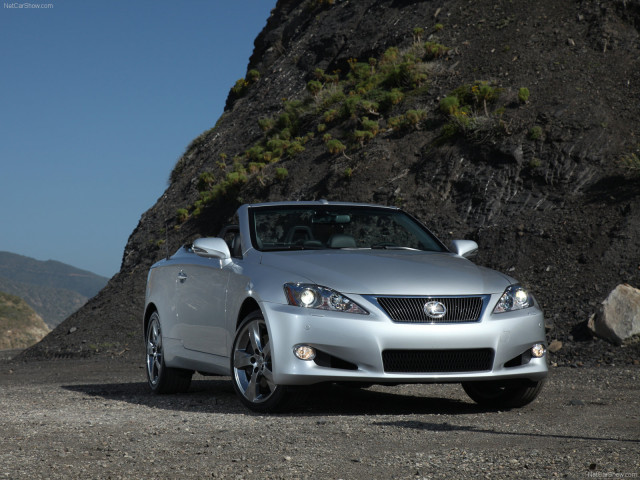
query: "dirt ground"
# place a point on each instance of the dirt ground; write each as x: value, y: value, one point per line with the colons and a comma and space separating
x: 95, y: 419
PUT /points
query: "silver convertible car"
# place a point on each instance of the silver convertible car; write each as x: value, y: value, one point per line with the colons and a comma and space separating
x: 301, y: 293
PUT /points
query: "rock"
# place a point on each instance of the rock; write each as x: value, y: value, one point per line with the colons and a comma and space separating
x: 618, y: 317
x: 555, y: 346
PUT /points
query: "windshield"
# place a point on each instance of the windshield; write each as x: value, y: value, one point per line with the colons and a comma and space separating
x: 288, y: 227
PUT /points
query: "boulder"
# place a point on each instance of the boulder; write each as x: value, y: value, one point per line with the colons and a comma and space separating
x: 618, y: 317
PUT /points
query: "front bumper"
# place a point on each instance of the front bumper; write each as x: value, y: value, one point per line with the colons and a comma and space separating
x: 354, y: 345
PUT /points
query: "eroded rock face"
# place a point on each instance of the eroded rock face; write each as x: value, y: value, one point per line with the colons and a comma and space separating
x: 557, y: 210
x: 618, y: 317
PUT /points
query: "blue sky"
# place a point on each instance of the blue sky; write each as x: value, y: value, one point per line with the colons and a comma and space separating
x: 98, y: 100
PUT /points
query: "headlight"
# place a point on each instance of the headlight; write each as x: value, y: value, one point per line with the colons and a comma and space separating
x: 314, y: 296
x: 514, y: 298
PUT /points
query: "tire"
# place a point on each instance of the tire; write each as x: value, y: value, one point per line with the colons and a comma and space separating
x: 497, y: 394
x: 160, y: 378
x: 251, y: 368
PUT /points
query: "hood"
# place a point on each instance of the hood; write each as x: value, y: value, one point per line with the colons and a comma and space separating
x: 384, y: 272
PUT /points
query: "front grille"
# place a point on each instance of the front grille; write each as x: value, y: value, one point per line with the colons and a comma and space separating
x: 437, y: 361
x: 411, y: 309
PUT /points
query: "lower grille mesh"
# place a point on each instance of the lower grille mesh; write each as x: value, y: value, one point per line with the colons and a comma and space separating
x: 437, y: 361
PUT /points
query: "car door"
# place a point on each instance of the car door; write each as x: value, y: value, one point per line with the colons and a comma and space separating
x: 201, y: 292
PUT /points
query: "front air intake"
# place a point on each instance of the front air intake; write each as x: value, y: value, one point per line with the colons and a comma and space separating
x: 437, y: 361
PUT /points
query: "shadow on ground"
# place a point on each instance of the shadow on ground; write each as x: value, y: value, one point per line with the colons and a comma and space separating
x: 217, y: 396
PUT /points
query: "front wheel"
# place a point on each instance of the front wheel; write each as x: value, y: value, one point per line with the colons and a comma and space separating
x: 251, y: 367
x: 501, y: 394
x: 162, y: 379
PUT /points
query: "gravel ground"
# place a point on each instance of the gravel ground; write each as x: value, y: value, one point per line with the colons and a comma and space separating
x: 94, y: 419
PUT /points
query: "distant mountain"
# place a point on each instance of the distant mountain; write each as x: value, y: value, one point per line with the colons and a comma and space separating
x: 53, y: 289
x: 20, y: 326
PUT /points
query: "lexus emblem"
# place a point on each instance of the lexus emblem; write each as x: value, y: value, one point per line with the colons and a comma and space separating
x: 435, y: 309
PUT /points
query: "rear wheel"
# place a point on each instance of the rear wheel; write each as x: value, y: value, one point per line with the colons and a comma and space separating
x: 162, y: 379
x: 251, y: 367
x: 501, y: 394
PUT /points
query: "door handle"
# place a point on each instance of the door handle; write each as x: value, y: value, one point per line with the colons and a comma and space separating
x: 182, y: 276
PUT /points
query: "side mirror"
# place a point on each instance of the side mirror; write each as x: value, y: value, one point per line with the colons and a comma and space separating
x: 212, y: 248
x: 464, y: 248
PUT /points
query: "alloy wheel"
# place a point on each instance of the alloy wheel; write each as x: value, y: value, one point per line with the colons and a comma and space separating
x: 154, y: 351
x: 252, y: 362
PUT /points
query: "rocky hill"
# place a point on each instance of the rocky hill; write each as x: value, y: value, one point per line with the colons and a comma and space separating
x: 512, y: 124
x: 53, y: 289
x: 20, y: 326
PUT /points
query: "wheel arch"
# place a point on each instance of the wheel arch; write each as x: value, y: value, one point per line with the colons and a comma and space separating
x: 249, y: 305
x: 150, y: 309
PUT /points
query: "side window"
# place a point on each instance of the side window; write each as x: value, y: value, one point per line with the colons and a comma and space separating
x: 231, y: 235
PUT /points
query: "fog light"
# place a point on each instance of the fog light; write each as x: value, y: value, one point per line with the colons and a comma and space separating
x: 304, y: 352
x: 537, y: 351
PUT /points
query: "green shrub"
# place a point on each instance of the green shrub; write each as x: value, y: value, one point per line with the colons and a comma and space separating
x: 335, y: 146
x: 240, y: 87
x: 182, y: 215
x: 483, y: 92
x: 255, y: 153
x: 295, y: 147
x: 417, y: 34
x: 281, y: 173
x: 523, y: 95
x: 253, y: 76
x: 535, y: 133
x: 449, y: 130
x: 266, y: 124
x: 411, y: 119
x: 295, y: 109
x: 284, y: 121
x: 319, y: 74
x: 414, y: 117
x: 435, y: 50
x: 534, y: 162
x: 390, y: 56
x: 463, y: 118
x: 331, y: 95
x: 370, y: 125
x: 396, y: 123
x: 277, y: 146
x: 350, y: 107
x: 330, y: 115
x: 449, y: 104
x: 236, y: 178
x: 205, y: 181
x: 255, y: 167
x: 394, y: 97
x: 632, y: 162
x: 361, y: 136
x: 314, y: 87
